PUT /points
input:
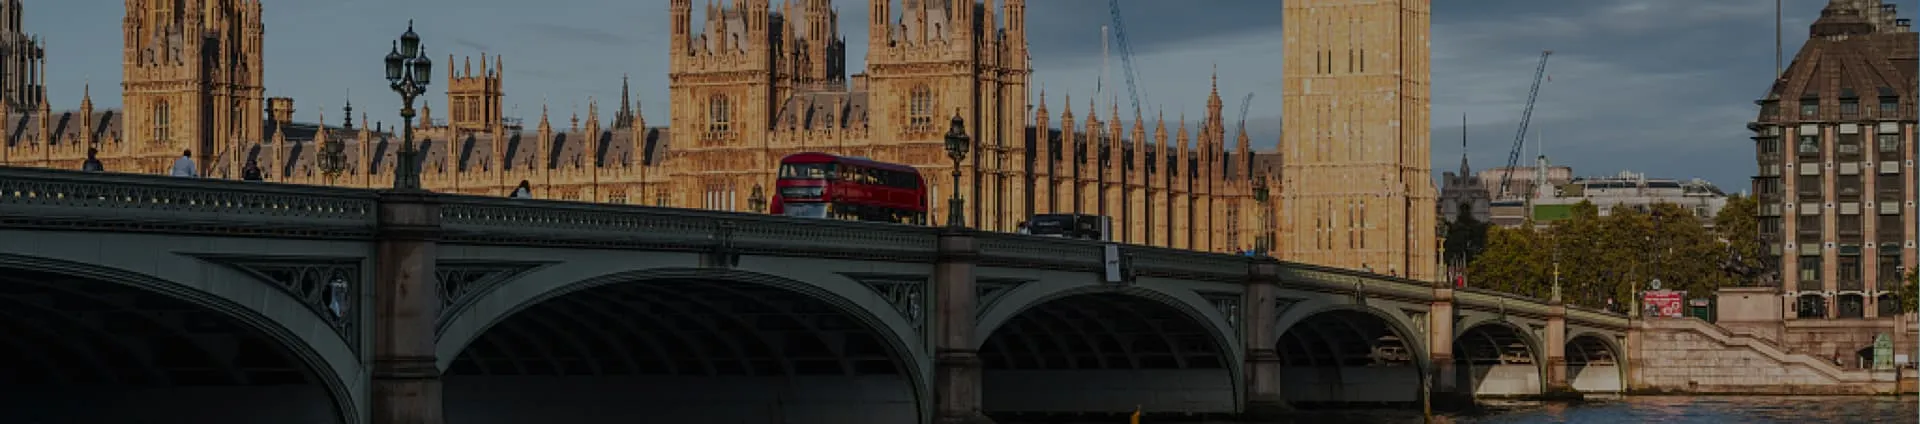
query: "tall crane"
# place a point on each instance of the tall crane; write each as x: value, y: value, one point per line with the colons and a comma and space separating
x: 1126, y: 54
x: 1245, y: 165
x: 1526, y: 117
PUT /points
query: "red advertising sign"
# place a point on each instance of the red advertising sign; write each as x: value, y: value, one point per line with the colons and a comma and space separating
x: 1664, y: 303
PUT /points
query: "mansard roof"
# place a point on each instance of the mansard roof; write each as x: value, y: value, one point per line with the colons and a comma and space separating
x: 68, y: 127
x: 474, y: 151
x: 825, y: 108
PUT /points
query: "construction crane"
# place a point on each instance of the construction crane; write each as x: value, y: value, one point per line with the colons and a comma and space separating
x: 1245, y: 167
x: 1126, y: 54
x: 1526, y: 116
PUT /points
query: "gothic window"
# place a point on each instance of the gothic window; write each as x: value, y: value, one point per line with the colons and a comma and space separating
x: 162, y: 121
x: 719, y: 115
x: 920, y: 109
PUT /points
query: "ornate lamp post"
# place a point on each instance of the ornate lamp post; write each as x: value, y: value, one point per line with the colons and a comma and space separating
x: 333, y: 153
x: 409, y: 71
x: 1264, y: 243
x: 757, y: 199
x: 958, y: 143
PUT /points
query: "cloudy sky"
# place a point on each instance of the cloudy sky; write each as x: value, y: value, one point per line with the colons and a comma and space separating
x: 1657, y: 86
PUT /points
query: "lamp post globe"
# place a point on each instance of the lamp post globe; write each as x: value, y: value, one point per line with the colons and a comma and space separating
x: 395, y: 63
x: 958, y: 143
x: 422, y: 68
x: 409, y: 41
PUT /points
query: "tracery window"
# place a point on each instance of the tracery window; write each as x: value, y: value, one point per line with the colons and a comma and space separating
x: 719, y: 115
x: 920, y: 109
x: 162, y: 121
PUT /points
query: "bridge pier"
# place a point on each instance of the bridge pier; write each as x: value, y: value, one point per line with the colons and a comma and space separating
x: 1263, y: 366
x: 957, y: 383
x: 1556, y: 348
x: 1448, y: 387
x: 406, y: 372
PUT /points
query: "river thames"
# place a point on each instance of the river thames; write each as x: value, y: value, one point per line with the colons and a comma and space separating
x: 1642, y: 409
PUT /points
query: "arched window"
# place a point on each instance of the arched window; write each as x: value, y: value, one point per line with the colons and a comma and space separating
x: 162, y: 121
x: 719, y: 115
x: 920, y: 109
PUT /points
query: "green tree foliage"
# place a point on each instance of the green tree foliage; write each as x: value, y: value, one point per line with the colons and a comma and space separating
x: 1601, y: 258
x: 1909, y: 291
x: 1466, y: 236
x: 1738, y: 224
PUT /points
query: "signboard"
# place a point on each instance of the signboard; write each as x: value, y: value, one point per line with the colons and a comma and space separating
x: 1112, y: 253
x: 1664, y: 303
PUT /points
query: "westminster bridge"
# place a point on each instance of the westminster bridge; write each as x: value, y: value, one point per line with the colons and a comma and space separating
x: 128, y: 297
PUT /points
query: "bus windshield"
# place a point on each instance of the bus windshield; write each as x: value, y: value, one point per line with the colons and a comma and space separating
x: 810, y: 171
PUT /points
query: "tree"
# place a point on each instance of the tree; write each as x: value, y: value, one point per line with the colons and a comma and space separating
x: 1511, y: 261
x: 1466, y: 236
x: 1908, y: 292
x: 1738, y: 225
x: 1605, y: 257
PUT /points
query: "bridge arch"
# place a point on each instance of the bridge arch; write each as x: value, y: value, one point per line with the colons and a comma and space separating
x: 188, y: 350
x: 1344, y: 354
x: 1593, y: 363
x: 1497, y: 357
x: 692, y: 344
x: 1108, y: 348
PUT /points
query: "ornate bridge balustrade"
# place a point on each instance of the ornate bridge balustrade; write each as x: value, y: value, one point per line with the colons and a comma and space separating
x: 248, y: 302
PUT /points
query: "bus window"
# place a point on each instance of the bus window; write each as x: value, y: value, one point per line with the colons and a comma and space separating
x: 812, y: 171
x: 806, y: 209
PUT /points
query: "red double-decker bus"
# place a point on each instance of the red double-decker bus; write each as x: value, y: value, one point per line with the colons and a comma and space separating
x: 820, y: 185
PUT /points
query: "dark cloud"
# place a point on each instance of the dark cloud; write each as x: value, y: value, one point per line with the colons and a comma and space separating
x: 470, y: 44
x: 580, y: 33
x: 1072, y: 27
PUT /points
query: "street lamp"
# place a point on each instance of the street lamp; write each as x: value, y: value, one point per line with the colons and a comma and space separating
x: 757, y: 199
x: 957, y: 146
x: 408, y: 71
x: 333, y: 152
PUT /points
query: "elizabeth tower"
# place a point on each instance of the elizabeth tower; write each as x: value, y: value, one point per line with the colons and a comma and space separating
x: 192, y: 79
x: 1358, y: 190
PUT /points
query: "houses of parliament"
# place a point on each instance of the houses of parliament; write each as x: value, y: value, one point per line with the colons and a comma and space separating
x: 756, y: 81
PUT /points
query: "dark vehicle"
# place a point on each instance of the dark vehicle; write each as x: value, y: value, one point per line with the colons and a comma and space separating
x: 819, y: 185
x: 1074, y: 226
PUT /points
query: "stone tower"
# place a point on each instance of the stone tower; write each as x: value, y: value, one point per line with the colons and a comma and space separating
x: 193, y: 79
x: 1357, y: 97
x: 473, y: 100
x: 22, y: 59
x: 942, y: 57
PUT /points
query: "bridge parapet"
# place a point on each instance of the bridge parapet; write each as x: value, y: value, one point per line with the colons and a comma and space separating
x: 1327, y: 279
x: 1598, y: 318
x: 31, y: 197
x: 1505, y: 303
x: 997, y: 249
x: 487, y: 220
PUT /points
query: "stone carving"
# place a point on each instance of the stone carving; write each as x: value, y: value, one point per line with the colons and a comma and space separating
x: 1228, y: 304
x: 460, y: 281
x: 327, y: 286
x: 906, y: 293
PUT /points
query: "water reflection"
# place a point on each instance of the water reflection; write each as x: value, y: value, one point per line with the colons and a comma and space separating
x: 1660, y: 410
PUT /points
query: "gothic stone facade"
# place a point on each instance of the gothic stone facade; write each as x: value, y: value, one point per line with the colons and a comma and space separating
x: 1359, y: 189
x: 756, y: 83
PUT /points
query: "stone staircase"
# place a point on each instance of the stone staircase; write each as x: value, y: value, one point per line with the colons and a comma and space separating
x: 1693, y: 356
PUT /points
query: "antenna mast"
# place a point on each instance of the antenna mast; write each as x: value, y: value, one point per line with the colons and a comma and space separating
x: 1779, y: 51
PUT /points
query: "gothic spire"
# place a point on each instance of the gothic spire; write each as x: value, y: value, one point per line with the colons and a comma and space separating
x: 625, y: 118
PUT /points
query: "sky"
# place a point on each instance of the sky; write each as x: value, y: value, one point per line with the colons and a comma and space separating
x: 1663, y: 87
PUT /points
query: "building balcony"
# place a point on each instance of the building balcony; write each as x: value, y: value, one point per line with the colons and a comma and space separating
x: 1811, y: 284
